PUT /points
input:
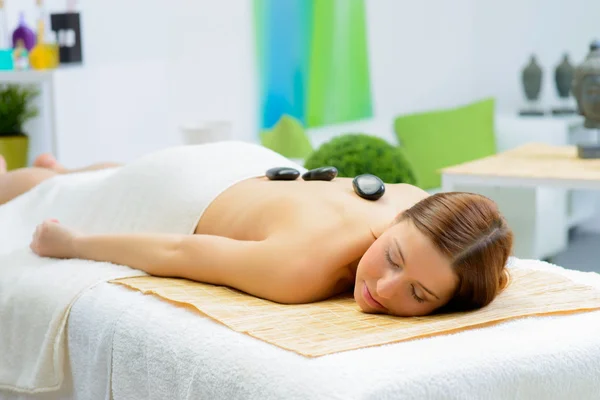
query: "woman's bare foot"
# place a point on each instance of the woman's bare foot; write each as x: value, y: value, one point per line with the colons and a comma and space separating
x: 48, y: 161
x: 2, y: 165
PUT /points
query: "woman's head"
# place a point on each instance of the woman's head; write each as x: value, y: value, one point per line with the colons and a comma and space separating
x: 447, y: 252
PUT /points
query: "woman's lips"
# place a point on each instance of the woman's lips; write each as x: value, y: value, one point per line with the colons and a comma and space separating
x: 369, y: 299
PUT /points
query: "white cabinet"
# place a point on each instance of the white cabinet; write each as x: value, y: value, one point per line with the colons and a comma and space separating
x: 513, y: 131
x: 541, y: 217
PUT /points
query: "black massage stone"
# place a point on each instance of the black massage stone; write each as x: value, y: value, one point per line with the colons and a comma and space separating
x: 282, y: 174
x: 320, y: 174
x: 368, y: 186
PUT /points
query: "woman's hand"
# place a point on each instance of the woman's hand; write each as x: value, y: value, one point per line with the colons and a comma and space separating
x: 51, y: 239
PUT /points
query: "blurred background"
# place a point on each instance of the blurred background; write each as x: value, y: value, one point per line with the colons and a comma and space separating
x: 150, y: 67
x: 155, y: 73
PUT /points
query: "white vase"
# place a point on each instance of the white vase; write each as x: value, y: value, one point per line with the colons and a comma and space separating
x: 206, y: 132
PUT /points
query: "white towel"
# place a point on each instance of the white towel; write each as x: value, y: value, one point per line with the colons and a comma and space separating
x: 163, y: 192
x: 90, y: 331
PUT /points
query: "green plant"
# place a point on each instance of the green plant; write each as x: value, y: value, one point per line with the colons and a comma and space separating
x: 355, y: 154
x: 16, y: 108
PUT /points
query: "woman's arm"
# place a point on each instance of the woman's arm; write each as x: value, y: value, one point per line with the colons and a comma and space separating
x: 271, y: 269
x: 204, y: 258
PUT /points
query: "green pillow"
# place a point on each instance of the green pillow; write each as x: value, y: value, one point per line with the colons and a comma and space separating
x: 287, y: 138
x: 438, y: 139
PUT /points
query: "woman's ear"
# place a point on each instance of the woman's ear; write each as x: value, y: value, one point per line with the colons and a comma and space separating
x: 505, y: 279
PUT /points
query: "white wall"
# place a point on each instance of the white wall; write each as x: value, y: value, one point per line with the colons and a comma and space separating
x: 420, y: 56
x: 149, y: 67
x: 212, y: 72
x: 217, y: 79
x: 509, y: 31
x: 420, y: 59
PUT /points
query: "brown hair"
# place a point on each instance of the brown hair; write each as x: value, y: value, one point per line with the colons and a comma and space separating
x: 468, y: 229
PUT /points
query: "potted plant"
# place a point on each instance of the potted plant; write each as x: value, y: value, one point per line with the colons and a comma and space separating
x: 355, y: 154
x: 16, y: 108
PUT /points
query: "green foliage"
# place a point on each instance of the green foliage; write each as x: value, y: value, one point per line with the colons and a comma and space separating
x: 16, y: 108
x: 355, y: 154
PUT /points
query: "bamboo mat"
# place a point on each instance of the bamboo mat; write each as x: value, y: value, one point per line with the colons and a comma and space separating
x: 534, y: 160
x: 338, y: 324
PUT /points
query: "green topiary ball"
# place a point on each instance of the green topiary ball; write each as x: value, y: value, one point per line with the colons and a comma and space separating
x: 355, y: 154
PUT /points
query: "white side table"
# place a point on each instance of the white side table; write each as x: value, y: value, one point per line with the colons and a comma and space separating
x: 540, y: 213
x: 42, y: 131
x: 513, y: 131
x: 541, y: 228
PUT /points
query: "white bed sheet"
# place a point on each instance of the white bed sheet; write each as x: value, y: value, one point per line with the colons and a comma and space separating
x: 163, y: 351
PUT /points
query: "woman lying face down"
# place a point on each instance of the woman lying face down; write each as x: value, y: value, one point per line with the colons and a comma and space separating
x: 406, y: 254
x: 446, y: 252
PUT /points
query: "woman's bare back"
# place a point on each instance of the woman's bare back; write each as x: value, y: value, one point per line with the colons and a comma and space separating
x: 313, y: 214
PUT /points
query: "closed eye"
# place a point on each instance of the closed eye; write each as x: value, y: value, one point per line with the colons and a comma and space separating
x: 389, y: 259
x: 414, y: 294
x: 412, y: 287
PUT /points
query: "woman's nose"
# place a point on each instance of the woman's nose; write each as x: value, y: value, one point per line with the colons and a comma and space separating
x: 388, y: 285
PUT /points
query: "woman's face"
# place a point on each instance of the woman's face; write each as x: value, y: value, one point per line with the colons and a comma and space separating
x: 403, y: 274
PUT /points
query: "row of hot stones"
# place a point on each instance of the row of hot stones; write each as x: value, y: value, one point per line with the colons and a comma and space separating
x: 367, y: 186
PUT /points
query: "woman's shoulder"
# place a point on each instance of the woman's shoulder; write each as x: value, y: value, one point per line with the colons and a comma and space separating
x: 404, y: 195
x: 412, y: 190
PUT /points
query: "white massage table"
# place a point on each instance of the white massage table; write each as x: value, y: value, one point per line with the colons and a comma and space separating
x: 126, y: 345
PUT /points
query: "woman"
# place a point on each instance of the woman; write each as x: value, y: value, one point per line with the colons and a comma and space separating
x: 406, y: 254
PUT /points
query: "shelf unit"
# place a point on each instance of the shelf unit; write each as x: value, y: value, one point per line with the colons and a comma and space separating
x: 42, y: 130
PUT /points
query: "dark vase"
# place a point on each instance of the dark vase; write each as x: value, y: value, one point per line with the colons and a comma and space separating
x: 531, y: 78
x: 586, y: 87
x: 563, y: 78
x: 586, y: 90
